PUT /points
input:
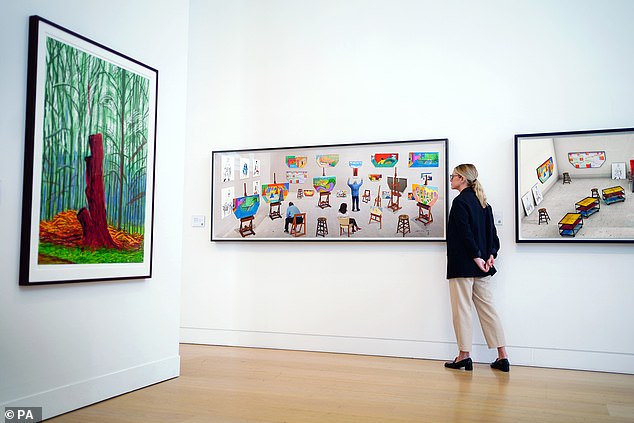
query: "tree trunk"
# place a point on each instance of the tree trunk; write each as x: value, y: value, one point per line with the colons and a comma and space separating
x: 93, y: 219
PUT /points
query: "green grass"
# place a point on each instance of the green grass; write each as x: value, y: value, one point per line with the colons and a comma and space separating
x: 87, y: 256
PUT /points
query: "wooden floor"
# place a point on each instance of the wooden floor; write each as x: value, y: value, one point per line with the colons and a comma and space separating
x: 224, y: 384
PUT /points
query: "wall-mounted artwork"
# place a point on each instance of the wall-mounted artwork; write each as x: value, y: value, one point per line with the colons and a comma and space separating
x: 228, y: 195
x: 618, y: 170
x: 296, y: 162
x: 256, y: 168
x: 227, y: 169
x: 587, y: 159
x: 90, y: 137
x: 424, y: 159
x: 244, y: 168
x: 545, y: 170
x: 573, y: 197
x: 296, y: 176
x: 321, y: 187
x: 384, y: 159
x: 327, y: 160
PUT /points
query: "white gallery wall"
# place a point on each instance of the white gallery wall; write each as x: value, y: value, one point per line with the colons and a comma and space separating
x: 65, y: 346
x: 291, y: 73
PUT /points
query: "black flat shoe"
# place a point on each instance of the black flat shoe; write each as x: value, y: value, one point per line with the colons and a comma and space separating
x: 501, y: 364
x: 466, y: 363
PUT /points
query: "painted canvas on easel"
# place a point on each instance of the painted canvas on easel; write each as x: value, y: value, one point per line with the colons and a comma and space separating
x: 316, y: 181
x: 89, y: 161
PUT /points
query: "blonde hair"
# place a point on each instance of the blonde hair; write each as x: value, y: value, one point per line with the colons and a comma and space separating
x: 470, y: 174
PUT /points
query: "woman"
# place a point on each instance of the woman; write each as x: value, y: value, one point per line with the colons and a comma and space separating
x: 472, y: 246
x: 343, y: 213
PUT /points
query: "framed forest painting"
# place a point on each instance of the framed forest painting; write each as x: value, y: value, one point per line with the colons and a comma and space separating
x: 90, y: 141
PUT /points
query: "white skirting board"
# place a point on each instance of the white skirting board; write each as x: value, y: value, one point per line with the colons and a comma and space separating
x: 71, y: 397
x: 433, y: 350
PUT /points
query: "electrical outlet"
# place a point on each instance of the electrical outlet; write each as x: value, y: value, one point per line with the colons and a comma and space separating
x: 198, y: 221
x: 498, y: 218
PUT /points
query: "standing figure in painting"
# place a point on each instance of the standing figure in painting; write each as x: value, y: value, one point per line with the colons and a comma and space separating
x: 343, y: 213
x: 355, y: 184
x: 472, y: 246
x: 291, y: 211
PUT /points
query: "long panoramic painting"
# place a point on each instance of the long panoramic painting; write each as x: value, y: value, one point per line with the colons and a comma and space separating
x: 384, y: 191
x: 89, y: 161
x: 566, y: 189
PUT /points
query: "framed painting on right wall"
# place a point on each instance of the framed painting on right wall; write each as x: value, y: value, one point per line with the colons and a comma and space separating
x: 583, y: 185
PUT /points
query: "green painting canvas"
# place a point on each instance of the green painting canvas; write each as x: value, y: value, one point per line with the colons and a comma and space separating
x: 93, y: 154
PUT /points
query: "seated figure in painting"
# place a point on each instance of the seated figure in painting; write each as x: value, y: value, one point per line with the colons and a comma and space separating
x: 343, y: 212
x: 291, y: 211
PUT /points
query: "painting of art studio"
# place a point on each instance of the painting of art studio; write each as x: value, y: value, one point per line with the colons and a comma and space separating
x: 575, y: 186
x: 387, y: 191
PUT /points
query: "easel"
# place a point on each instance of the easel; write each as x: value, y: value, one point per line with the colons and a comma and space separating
x: 424, y: 210
x: 246, y: 223
x: 377, y: 200
x: 394, y: 194
x: 424, y: 214
x: 324, y: 197
x: 274, y: 208
x: 246, y: 226
x: 324, y: 200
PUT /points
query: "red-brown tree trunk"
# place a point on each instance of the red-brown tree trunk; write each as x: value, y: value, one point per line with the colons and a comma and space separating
x: 93, y: 219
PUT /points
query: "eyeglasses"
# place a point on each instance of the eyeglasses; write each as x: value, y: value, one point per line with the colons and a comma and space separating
x: 451, y: 176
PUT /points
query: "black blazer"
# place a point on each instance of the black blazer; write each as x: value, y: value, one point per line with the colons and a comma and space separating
x: 471, y: 233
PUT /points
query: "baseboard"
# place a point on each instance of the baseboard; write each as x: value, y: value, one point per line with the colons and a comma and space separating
x: 601, y: 361
x: 71, y: 397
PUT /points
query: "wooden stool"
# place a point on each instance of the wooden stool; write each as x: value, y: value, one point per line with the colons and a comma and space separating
x: 424, y: 214
x: 298, y: 227
x: 543, y: 216
x: 274, y: 210
x: 322, y: 227
x: 246, y: 226
x: 403, y: 224
x: 395, y: 201
x: 595, y: 193
x: 366, y: 196
x: 324, y: 199
x: 567, y: 179
x: 300, y: 193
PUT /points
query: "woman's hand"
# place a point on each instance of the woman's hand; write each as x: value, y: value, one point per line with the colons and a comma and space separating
x: 490, y: 261
x: 483, y: 265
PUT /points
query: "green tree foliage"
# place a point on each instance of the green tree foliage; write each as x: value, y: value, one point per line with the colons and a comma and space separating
x: 86, y: 95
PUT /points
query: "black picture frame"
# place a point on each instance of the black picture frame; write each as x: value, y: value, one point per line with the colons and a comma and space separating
x: 570, y: 175
x: 90, y: 141
x: 317, y: 181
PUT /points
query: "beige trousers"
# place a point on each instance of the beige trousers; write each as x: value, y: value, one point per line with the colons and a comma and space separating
x: 464, y: 291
